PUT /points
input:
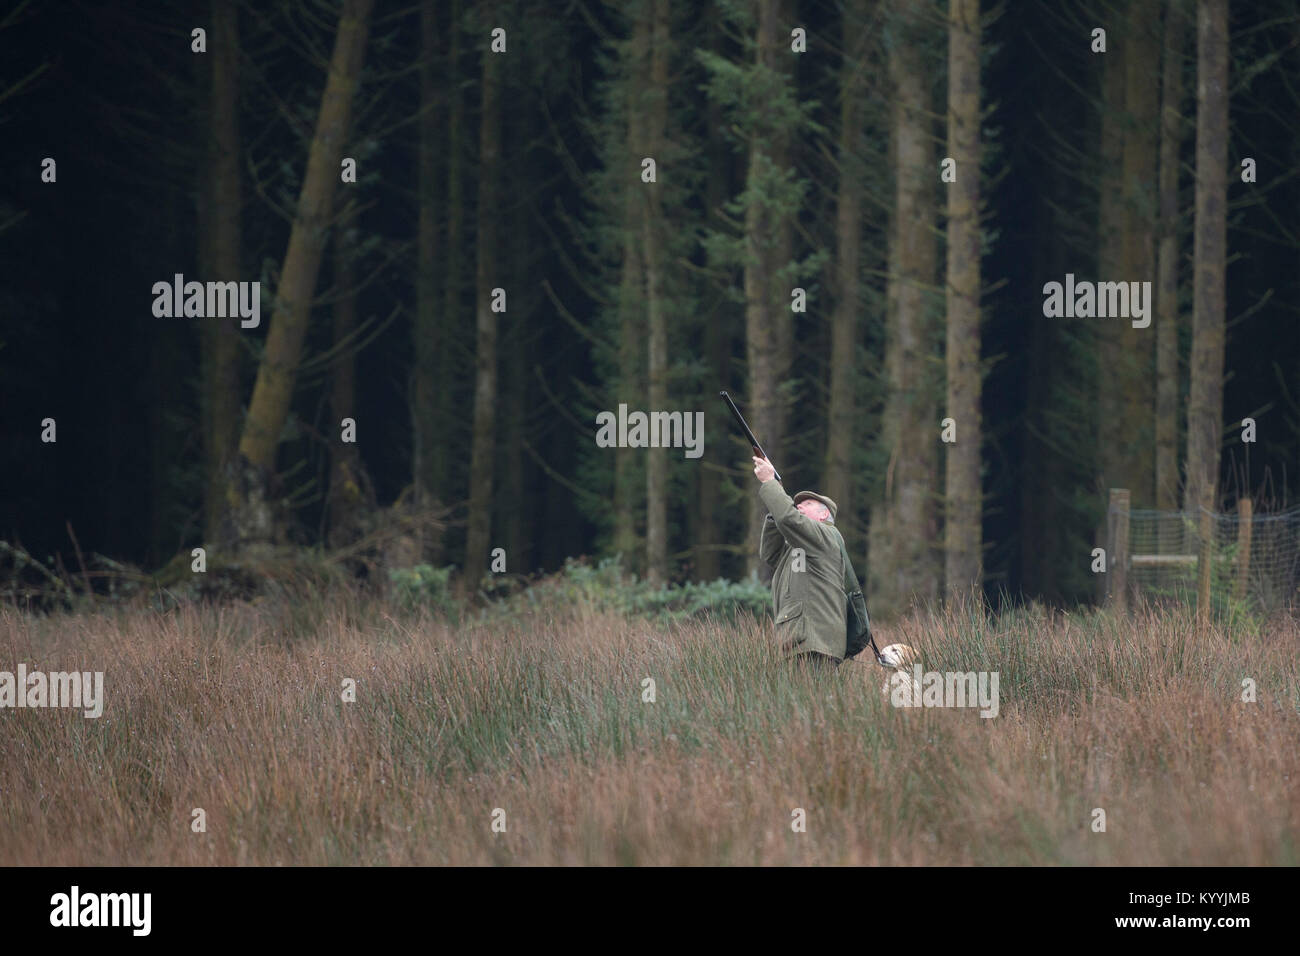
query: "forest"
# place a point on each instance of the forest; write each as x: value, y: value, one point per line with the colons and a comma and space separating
x: 371, y: 278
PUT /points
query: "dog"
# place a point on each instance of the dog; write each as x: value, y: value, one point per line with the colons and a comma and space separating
x: 899, y: 658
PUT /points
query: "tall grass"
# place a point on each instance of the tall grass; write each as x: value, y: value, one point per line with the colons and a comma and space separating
x: 237, y: 710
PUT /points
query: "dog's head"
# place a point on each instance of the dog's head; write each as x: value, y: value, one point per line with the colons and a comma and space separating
x: 898, y: 656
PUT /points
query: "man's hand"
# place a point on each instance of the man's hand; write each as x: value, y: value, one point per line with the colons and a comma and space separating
x: 763, y: 469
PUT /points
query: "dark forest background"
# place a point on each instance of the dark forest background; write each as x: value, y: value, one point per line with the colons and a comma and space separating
x: 522, y: 170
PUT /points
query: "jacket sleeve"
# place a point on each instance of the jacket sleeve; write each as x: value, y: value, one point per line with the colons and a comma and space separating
x: 798, y: 530
x: 770, y: 542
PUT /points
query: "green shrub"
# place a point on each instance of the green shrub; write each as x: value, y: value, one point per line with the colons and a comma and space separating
x: 718, y: 599
x: 606, y: 587
x: 423, y: 586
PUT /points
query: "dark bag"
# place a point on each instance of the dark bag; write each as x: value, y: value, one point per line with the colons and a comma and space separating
x: 857, y: 626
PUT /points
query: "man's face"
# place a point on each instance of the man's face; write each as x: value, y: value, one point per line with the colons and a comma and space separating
x: 812, y: 508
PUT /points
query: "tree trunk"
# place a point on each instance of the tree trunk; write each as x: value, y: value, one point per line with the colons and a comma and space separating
x: 769, y: 323
x: 273, y: 391
x: 221, y: 337
x: 453, y: 284
x: 629, y: 487
x: 962, y: 526
x: 428, y: 426
x: 1171, y: 137
x: 904, y: 568
x: 843, y: 412
x: 486, y: 277
x: 516, y: 496
x: 1132, y: 436
x: 1205, y: 396
x: 351, y: 495
x: 1110, y: 223
x: 717, y: 338
x: 1110, y: 212
x: 653, y: 238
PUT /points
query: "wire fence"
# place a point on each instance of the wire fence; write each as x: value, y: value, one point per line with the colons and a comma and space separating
x: 1254, y: 559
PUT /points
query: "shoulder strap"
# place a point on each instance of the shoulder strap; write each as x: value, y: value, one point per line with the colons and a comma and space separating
x: 850, y: 585
x: 850, y: 577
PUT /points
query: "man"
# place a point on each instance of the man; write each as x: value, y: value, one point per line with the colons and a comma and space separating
x: 803, y: 547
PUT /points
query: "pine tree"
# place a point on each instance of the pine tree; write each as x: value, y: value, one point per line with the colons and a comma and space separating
x: 904, y: 527
x: 486, y: 278
x: 962, y: 524
x: 221, y: 261
x: 1205, y: 396
x: 269, y: 407
x: 431, y: 325
x: 1167, y: 258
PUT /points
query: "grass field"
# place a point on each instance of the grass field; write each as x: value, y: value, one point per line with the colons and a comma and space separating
x: 238, y: 711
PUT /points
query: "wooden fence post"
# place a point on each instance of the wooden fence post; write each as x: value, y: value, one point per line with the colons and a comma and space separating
x: 1245, y: 511
x: 1117, y: 548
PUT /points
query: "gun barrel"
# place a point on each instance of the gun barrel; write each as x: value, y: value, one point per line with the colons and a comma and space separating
x: 753, y: 442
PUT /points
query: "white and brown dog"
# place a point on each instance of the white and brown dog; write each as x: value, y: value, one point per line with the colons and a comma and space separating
x: 899, y: 658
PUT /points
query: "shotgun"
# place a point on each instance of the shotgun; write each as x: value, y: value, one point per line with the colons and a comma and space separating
x: 753, y: 442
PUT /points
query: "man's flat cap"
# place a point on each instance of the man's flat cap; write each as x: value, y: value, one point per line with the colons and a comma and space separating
x: 804, y: 495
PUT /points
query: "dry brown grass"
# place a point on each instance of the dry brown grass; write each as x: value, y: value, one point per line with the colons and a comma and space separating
x: 238, y: 711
